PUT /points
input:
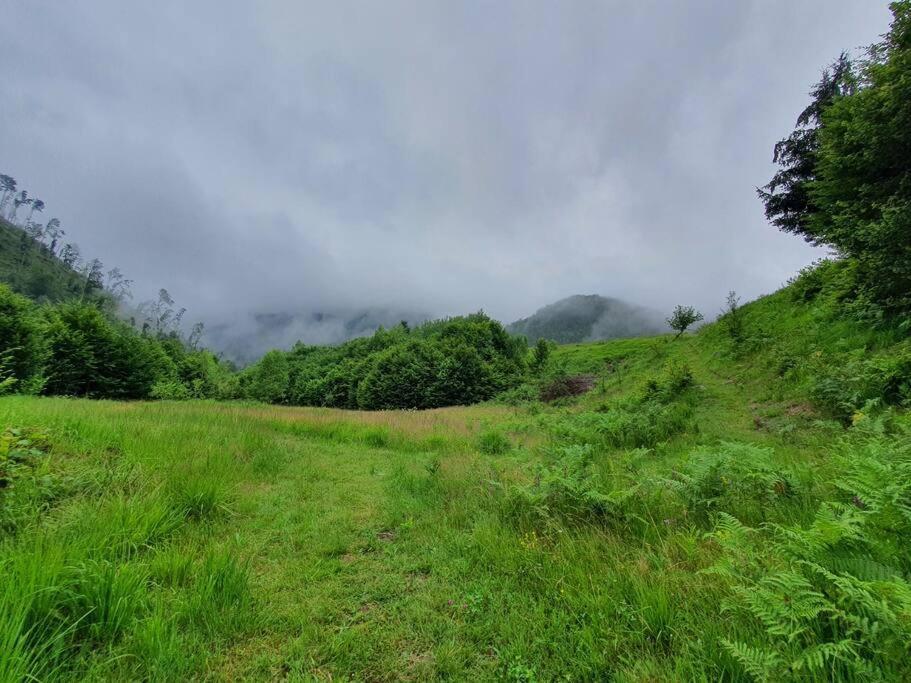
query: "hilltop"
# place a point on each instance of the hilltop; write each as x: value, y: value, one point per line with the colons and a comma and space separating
x: 588, y: 318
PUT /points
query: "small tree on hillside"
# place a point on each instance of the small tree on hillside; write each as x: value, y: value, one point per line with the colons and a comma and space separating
x: 682, y: 318
x: 732, y: 317
x: 541, y: 354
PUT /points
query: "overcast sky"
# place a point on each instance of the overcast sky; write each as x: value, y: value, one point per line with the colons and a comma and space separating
x: 445, y: 157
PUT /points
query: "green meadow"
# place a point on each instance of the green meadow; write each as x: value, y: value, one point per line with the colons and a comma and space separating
x: 714, y: 508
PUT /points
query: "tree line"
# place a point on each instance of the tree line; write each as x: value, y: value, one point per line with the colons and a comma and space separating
x: 75, y: 349
x: 84, y: 338
x: 67, y: 326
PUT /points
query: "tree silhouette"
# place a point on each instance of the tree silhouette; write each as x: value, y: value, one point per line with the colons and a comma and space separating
x: 195, y: 336
x: 70, y: 255
x: 118, y: 285
x: 21, y: 198
x: 37, y: 205
x: 94, y: 276
x: 53, y: 232
x: 8, y: 187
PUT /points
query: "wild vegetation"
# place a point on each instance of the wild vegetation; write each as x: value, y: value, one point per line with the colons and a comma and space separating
x: 729, y: 504
x: 844, y: 178
x: 712, y: 508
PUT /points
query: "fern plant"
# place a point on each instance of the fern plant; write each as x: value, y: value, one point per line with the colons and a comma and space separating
x: 829, y: 600
x: 732, y: 477
x: 569, y: 488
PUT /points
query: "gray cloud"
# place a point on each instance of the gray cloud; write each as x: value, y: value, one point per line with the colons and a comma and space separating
x: 441, y: 157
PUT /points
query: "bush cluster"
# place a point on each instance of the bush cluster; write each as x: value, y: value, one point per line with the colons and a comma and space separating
x: 445, y: 362
x: 75, y: 349
x: 664, y: 409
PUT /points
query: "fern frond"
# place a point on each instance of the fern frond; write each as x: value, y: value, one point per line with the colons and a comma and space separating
x: 762, y: 665
x: 817, y: 658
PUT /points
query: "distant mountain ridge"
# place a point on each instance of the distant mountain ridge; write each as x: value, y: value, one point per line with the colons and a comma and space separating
x: 588, y: 317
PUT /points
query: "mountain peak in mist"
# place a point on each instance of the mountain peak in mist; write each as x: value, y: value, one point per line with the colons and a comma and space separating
x: 588, y: 317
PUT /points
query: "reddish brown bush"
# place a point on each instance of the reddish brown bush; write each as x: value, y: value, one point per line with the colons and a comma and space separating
x: 573, y: 385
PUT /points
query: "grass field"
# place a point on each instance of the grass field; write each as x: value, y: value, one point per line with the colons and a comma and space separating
x: 700, y: 527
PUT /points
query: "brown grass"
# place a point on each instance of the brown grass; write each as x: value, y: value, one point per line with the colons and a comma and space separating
x: 461, y: 420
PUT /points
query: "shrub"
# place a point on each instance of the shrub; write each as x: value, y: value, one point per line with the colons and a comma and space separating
x: 844, y: 388
x: 822, y: 277
x: 682, y: 318
x: 732, y: 318
x: 93, y: 356
x: 677, y: 378
x: 568, y: 487
x: 170, y: 390
x: 403, y: 376
x: 523, y: 393
x: 541, y: 354
x: 339, y: 386
x: 632, y: 424
x: 463, y: 377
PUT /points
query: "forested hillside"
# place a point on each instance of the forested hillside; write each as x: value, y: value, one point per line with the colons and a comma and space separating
x: 588, y: 318
x: 35, y: 271
x: 73, y: 331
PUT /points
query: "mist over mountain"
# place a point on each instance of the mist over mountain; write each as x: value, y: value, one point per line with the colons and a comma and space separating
x: 247, y: 337
x: 588, y: 317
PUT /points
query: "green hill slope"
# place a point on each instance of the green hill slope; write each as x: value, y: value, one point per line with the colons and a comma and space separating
x: 30, y: 269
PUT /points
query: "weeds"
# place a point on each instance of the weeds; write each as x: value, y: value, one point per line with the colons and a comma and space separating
x: 26, y: 484
x: 831, y: 598
x: 200, y: 496
x: 733, y: 478
x: 568, y: 488
x: 493, y: 442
